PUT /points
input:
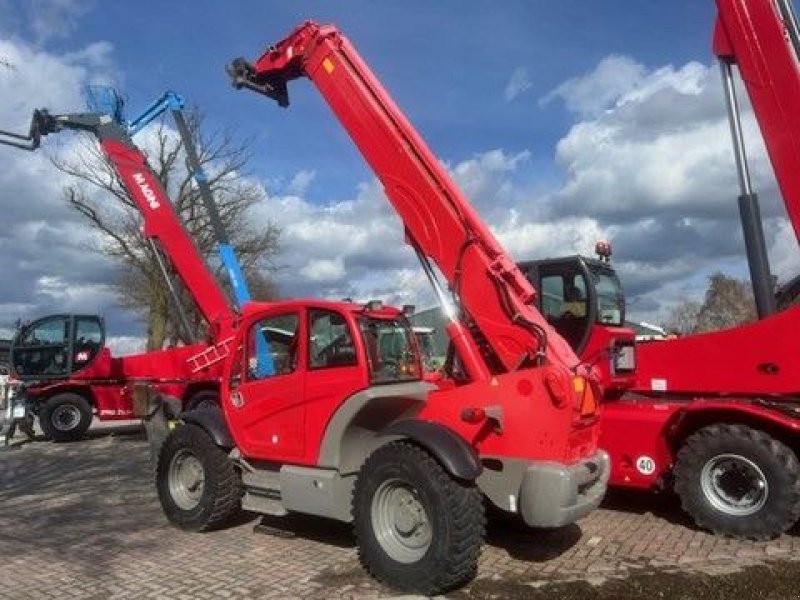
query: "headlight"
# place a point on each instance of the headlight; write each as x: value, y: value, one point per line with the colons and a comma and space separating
x: 624, y: 359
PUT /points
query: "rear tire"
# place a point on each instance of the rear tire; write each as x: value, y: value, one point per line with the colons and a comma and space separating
x: 418, y: 529
x: 738, y: 481
x: 198, y: 486
x: 65, y: 417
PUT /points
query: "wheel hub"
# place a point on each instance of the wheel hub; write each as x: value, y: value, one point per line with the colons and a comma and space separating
x: 186, y: 479
x: 65, y: 417
x: 400, y: 522
x: 734, y: 485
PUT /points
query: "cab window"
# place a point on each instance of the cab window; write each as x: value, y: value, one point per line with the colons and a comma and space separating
x: 42, y: 349
x: 391, y: 350
x: 330, y: 341
x: 610, y: 299
x: 564, y: 296
x: 272, y: 340
x: 88, y: 340
x: 565, y: 305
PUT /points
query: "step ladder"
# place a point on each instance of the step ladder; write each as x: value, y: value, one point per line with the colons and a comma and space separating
x: 209, y: 356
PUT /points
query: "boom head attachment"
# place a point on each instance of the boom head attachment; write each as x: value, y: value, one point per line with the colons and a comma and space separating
x: 280, y: 63
x: 42, y: 123
x: 243, y: 75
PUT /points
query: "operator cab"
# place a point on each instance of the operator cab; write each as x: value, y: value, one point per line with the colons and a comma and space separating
x: 583, y: 300
x: 576, y: 293
x: 56, y: 346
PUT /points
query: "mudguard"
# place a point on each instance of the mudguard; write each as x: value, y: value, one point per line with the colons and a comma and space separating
x: 212, y: 422
x: 451, y: 450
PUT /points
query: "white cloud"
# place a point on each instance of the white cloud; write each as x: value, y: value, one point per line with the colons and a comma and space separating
x: 519, y: 83
x: 54, y: 19
x: 597, y: 90
x: 324, y: 270
x: 648, y: 164
x: 47, y: 266
x: 300, y: 182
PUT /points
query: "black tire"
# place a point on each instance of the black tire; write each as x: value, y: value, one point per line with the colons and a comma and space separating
x: 219, y: 497
x: 65, y: 417
x: 452, y: 510
x: 202, y: 400
x: 738, y: 481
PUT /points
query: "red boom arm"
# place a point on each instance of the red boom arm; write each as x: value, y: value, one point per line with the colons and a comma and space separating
x: 755, y: 36
x: 163, y: 224
x: 440, y: 222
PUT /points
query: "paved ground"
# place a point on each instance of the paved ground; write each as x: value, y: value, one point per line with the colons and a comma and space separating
x: 82, y: 520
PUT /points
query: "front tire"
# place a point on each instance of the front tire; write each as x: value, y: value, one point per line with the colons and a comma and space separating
x: 418, y: 529
x: 738, y: 481
x: 198, y: 486
x: 65, y: 417
x: 204, y: 400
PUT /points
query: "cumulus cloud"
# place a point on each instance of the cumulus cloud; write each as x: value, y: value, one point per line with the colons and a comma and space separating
x: 647, y: 163
x: 301, y: 181
x: 48, y: 266
x: 519, y: 83
x: 594, y: 92
x: 43, y: 20
x: 650, y: 159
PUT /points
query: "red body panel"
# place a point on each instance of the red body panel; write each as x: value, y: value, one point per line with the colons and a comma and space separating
x: 108, y: 381
x: 760, y: 358
x: 283, y: 420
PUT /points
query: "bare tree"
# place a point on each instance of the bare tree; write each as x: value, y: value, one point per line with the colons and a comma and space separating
x: 114, y: 215
x: 728, y: 303
x: 682, y: 319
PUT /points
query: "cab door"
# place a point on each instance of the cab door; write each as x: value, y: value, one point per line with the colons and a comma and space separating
x: 266, y: 412
x: 336, y: 371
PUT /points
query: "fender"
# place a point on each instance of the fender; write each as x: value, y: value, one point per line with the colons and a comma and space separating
x: 213, y: 423
x: 456, y: 455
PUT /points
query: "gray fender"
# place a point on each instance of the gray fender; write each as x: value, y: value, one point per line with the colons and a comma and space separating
x: 449, y: 448
x: 213, y: 423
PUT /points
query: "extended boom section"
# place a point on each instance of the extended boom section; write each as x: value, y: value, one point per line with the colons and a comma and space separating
x: 495, y: 297
x: 161, y: 222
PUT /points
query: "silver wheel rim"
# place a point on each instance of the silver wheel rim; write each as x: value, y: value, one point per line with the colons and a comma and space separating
x: 400, y: 522
x: 65, y: 417
x: 734, y: 485
x: 186, y: 479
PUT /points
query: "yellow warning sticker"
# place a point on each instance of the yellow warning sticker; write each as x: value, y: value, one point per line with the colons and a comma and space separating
x: 327, y: 64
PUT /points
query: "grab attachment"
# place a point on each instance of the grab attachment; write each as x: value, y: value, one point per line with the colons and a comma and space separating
x: 42, y: 124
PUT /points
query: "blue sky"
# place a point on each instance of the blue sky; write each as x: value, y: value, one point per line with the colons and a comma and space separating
x: 447, y: 64
x: 563, y: 122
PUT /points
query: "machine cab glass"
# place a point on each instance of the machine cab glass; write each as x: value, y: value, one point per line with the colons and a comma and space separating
x: 576, y: 293
x: 56, y: 346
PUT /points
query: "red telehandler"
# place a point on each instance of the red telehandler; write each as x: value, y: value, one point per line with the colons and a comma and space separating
x: 716, y: 416
x: 347, y: 427
x: 66, y: 371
